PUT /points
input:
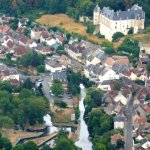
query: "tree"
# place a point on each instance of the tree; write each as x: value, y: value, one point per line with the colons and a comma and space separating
x: 90, y: 29
x: 57, y: 88
x: 118, y: 85
x: 120, y: 144
x: 46, y: 147
x: 30, y: 146
x: 148, y: 68
x: 140, y: 82
x: 6, y: 122
x: 14, y: 23
x: 100, y: 147
x: 5, y: 143
x: 27, y: 84
x: 63, y: 143
x: 131, y: 31
x: 116, y: 36
x: 60, y: 103
x: 41, y: 69
x: 26, y: 32
x: 18, y: 147
x: 109, y: 51
x: 32, y: 59
x: 5, y: 85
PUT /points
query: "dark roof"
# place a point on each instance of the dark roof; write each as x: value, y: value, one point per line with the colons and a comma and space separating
x: 120, y: 68
x: 60, y: 75
x: 119, y: 118
x: 135, y: 12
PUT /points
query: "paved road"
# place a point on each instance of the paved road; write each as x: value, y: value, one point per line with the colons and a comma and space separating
x: 128, y: 126
x: 47, y: 79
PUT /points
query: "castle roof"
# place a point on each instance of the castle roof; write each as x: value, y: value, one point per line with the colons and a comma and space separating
x: 97, y: 8
x: 135, y: 12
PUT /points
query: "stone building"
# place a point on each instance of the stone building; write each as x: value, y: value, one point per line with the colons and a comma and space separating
x: 110, y: 22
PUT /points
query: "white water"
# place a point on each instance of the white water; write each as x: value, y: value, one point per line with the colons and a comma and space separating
x: 48, y: 122
x: 84, y: 141
x: 52, y: 129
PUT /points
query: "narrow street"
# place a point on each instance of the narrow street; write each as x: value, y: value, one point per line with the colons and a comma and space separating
x: 47, y: 79
x: 128, y: 126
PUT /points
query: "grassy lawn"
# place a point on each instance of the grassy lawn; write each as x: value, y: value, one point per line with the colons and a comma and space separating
x: 61, y: 115
x: 68, y: 24
x: 14, y: 135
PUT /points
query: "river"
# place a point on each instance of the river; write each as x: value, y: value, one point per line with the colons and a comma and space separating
x: 83, y: 141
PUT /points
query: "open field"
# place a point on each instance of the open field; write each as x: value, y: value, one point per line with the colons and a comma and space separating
x: 65, y: 22
x: 68, y: 24
x: 61, y: 115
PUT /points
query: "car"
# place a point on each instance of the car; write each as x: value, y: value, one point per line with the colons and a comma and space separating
x: 60, y: 96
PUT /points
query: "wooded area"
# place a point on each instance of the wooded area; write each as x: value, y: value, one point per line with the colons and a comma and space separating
x: 71, y: 7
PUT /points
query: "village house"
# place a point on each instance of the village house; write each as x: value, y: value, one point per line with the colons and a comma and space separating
x: 119, y: 122
x: 144, y: 47
x: 95, y: 58
x: 110, y: 22
x: 36, y: 33
x: 60, y: 75
x: 53, y: 64
x: 73, y: 51
x: 106, y: 85
x: 107, y: 74
x: 8, y: 74
x: 23, y: 22
x: 121, y: 98
x: 65, y: 60
x: 145, y: 143
x: 4, y: 28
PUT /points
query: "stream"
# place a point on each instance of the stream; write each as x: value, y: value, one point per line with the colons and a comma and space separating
x: 83, y: 141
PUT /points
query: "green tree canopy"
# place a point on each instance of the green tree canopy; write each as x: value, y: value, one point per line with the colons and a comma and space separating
x: 57, y: 88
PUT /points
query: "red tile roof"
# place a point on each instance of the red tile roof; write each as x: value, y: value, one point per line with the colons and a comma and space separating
x: 4, y: 28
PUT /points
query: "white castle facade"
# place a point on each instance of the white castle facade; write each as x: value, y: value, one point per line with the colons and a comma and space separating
x: 110, y: 22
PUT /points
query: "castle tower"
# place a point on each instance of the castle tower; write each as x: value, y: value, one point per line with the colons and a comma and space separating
x: 96, y: 15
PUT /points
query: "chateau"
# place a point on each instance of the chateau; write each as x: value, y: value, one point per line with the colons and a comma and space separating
x: 110, y: 22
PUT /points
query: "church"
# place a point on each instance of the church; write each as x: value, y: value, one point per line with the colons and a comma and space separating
x: 110, y: 22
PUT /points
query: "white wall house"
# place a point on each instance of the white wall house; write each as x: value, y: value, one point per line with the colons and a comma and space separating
x: 111, y: 22
x: 119, y: 122
x: 36, y: 33
x: 93, y: 61
x: 54, y: 68
x: 121, y: 98
x: 108, y: 74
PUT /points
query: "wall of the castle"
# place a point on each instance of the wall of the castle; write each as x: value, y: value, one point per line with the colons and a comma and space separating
x: 96, y: 18
x: 109, y: 27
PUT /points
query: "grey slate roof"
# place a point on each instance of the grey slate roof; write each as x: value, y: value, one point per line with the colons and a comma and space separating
x: 120, y: 68
x: 135, y: 12
x: 119, y: 118
x: 60, y: 75
x: 97, y: 8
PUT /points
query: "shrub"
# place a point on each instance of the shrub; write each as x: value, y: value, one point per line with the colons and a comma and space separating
x: 41, y: 69
x: 107, y: 44
x: 116, y: 36
x: 109, y: 50
x: 60, y: 103
x: 130, y: 31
